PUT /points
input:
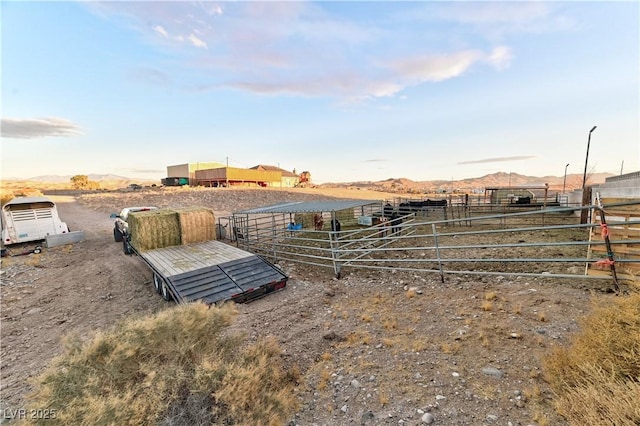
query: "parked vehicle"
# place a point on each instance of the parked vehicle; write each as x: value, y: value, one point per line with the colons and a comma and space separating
x: 121, y: 228
x: 27, y: 219
x: 209, y: 271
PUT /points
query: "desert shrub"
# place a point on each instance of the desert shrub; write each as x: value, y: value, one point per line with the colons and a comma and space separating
x: 180, y: 366
x: 596, y: 380
x: 7, y: 195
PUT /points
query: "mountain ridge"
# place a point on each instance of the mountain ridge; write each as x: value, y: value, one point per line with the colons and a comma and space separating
x: 572, y: 181
x: 402, y: 184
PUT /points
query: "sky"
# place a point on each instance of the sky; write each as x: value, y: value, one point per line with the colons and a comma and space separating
x: 347, y: 90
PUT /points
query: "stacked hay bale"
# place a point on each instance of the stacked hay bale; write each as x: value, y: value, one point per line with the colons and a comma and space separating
x: 197, y: 224
x: 154, y: 229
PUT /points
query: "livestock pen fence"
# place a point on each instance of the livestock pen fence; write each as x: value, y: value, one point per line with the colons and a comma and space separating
x: 547, y: 242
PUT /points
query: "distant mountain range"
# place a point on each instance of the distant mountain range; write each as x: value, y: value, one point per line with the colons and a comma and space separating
x: 573, y: 181
x: 67, y: 178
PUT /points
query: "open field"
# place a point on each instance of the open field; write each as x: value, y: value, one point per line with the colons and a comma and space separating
x: 372, y: 348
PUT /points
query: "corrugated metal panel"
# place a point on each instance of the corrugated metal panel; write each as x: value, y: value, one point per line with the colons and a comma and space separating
x: 236, y: 174
x: 311, y: 206
x: 178, y: 170
x: 207, y: 284
x: 222, y: 282
x: 253, y: 175
x: 219, y: 173
x: 252, y: 272
x: 193, y: 167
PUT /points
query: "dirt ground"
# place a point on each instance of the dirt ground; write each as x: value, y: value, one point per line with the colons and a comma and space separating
x: 462, y: 352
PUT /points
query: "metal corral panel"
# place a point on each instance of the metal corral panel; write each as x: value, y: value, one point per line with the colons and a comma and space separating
x: 311, y: 206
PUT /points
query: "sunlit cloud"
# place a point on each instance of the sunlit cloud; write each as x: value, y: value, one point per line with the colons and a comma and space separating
x: 160, y: 30
x: 499, y: 159
x: 304, y: 49
x: 196, y: 41
x: 33, y: 128
x: 500, y: 57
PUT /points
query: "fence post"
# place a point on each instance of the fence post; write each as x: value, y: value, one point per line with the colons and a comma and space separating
x: 604, y: 231
x: 335, y: 246
x: 435, y: 241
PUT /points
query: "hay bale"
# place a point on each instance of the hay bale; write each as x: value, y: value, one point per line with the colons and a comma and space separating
x: 154, y: 229
x: 197, y: 224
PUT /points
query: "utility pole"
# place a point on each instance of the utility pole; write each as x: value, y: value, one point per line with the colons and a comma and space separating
x: 586, y: 160
x: 585, y: 198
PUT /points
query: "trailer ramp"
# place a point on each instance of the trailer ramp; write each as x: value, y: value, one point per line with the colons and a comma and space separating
x: 213, y: 271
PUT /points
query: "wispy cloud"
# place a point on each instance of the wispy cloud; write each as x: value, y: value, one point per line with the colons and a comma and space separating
x: 304, y: 49
x: 494, y: 12
x: 499, y: 159
x: 32, y: 128
x: 150, y: 76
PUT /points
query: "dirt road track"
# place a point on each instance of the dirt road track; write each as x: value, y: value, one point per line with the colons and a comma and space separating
x: 78, y: 288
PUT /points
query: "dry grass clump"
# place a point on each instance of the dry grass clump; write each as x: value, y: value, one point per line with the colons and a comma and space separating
x: 597, y: 378
x: 176, y: 367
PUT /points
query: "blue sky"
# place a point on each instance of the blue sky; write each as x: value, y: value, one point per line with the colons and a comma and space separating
x: 346, y: 90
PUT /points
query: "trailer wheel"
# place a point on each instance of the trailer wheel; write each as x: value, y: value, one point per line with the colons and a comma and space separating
x: 126, y: 247
x: 117, y: 235
x: 166, y: 295
x: 157, y: 283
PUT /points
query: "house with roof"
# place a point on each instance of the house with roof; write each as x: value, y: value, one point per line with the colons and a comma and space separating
x: 287, y: 179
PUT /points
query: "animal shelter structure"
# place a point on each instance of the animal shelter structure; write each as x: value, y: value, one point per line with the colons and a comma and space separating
x: 308, y: 215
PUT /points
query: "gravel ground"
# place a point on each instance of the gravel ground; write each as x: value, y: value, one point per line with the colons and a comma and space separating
x: 374, y: 348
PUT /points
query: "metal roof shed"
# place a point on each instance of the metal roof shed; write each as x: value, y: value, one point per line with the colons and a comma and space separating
x: 268, y: 219
x: 312, y: 206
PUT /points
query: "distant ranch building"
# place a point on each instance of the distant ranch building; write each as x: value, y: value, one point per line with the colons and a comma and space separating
x: 177, y: 174
x: 212, y: 174
x: 287, y: 179
x: 233, y: 176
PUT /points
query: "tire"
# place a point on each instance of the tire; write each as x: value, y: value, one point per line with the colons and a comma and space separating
x: 157, y: 283
x: 117, y: 235
x: 126, y: 247
x: 166, y: 295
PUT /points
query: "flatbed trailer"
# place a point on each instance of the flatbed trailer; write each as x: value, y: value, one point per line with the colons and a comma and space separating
x: 210, y: 271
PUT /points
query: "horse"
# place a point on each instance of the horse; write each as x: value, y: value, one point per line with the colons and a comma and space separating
x: 318, y: 222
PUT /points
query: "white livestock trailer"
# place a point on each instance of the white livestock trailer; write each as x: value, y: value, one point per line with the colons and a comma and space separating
x: 27, y: 219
